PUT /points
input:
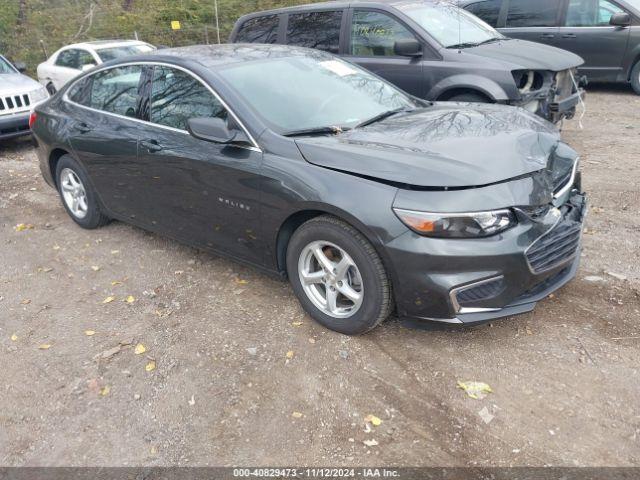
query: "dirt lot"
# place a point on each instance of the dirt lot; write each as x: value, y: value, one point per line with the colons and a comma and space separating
x: 223, y: 392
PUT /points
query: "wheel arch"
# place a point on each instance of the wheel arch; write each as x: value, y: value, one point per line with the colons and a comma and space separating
x: 469, y: 84
x: 299, y: 217
x: 452, y: 92
x: 54, y: 157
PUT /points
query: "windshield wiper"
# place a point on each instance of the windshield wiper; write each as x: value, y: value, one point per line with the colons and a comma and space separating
x: 382, y: 116
x: 475, y: 44
x: 315, y: 131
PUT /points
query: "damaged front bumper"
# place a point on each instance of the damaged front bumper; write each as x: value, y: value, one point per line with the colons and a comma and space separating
x: 475, y: 281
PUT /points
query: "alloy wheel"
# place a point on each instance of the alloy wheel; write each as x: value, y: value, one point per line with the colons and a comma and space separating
x: 331, y: 279
x: 74, y: 193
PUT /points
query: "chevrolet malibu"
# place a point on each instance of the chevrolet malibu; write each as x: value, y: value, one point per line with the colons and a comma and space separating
x: 370, y: 201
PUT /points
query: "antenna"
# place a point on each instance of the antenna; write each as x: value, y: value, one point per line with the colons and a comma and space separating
x: 459, y: 27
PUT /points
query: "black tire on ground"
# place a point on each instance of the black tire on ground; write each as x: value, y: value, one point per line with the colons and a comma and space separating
x: 635, y: 77
x: 469, y: 97
x: 51, y: 88
x: 377, y: 303
x: 94, y: 217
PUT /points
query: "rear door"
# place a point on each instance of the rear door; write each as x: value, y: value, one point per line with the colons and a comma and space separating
x: 200, y: 192
x: 586, y: 32
x: 315, y: 29
x: 536, y: 21
x: 104, y: 134
x: 370, y: 43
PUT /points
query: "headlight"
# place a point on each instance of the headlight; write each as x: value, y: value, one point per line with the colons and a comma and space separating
x: 457, y: 225
x: 39, y: 95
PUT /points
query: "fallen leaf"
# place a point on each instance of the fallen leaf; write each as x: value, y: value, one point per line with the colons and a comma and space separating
x: 115, y: 283
x: 89, y: 333
x: 485, y: 415
x: 95, y: 268
x: 140, y: 349
x: 373, y: 420
x: 370, y: 443
x: 47, y: 269
x: 115, y: 252
x: 21, y: 227
x: 290, y: 354
x: 312, y: 340
x: 296, y: 324
x: 26, y: 301
x: 56, y: 247
x: 130, y: 299
x: 108, y: 300
x: 109, y: 353
x: 14, y: 337
x: 192, y: 401
x: 150, y: 366
x: 104, y: 391
x: 44, y: 346
x: 241, y: 282
x: 296, y: 415
x: 476, y: 390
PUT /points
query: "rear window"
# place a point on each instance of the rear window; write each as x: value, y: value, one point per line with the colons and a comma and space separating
x: 487, y: 10
x: 259, y: 30
x: 525, y: 13
x: 319, y: 30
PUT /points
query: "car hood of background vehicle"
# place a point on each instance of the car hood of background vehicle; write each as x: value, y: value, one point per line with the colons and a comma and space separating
x: 445, y: 145
x: 16, y: 83
x: 524, y: 55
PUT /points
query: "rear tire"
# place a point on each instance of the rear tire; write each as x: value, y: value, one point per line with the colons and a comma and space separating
x: 354, y: 275
x: 77, y: 194
x: 635, y: 78
x: 469, y: 98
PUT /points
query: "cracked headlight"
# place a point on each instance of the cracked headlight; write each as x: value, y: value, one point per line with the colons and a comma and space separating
x: 38, y: 95
x: 457, y: 225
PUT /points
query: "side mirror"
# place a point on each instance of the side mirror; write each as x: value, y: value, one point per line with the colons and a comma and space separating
x: 407, y: 48
x: 211, y: 129
x: 621, y: 19
x: 87, y: 66
x: 20, y: 66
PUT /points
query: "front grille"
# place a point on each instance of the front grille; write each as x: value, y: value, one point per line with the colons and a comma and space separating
x: 14, y: 102
x: 555, y: 247
x: 480, y: 292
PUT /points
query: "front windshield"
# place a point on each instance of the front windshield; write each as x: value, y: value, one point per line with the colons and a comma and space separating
x: 112, y: 53
x: 5, y: 67
x: 449, y: 25
x: 302, y: 92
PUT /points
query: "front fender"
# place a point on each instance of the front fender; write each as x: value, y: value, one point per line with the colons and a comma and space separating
x: 478, y: 83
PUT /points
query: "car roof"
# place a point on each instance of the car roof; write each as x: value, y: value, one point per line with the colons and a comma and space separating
x: 342, y: 4
x: 104, y: 44
x: 211, y: 56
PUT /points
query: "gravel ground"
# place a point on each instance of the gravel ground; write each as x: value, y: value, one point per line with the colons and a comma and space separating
x: 223, y: 392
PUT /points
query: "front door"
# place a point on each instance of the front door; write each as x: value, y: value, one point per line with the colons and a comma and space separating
x: 373, y: 34
x: 203, y: 193
x: 586, y: 32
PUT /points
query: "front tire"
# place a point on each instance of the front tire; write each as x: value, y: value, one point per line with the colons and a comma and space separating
x: 635, y: 78
x: 338, y: 277
x: 78, y: 196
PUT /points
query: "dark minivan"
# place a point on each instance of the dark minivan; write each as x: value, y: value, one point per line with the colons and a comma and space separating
x: 430, y: 49
x: 605, y: 33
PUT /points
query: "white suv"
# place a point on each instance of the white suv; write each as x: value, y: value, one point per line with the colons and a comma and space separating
x: 70, y: 61
x: 18, y: 95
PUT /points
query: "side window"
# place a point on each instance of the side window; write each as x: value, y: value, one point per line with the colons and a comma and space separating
x: 487, y: 10
x: 590, y: 13
x: 319, y: 30
x: 373, y: 34
x: 525, y: 13
x: 176, y: 97
x: 259, y: 30
x: 85, y: 58
x: 68, y: 59
x: 81, y: 92
x: 116, y: 90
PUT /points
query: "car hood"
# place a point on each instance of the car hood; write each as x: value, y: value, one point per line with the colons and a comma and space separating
x: 445, y: 145
x: 524, y: 55
x: 16, y: 83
